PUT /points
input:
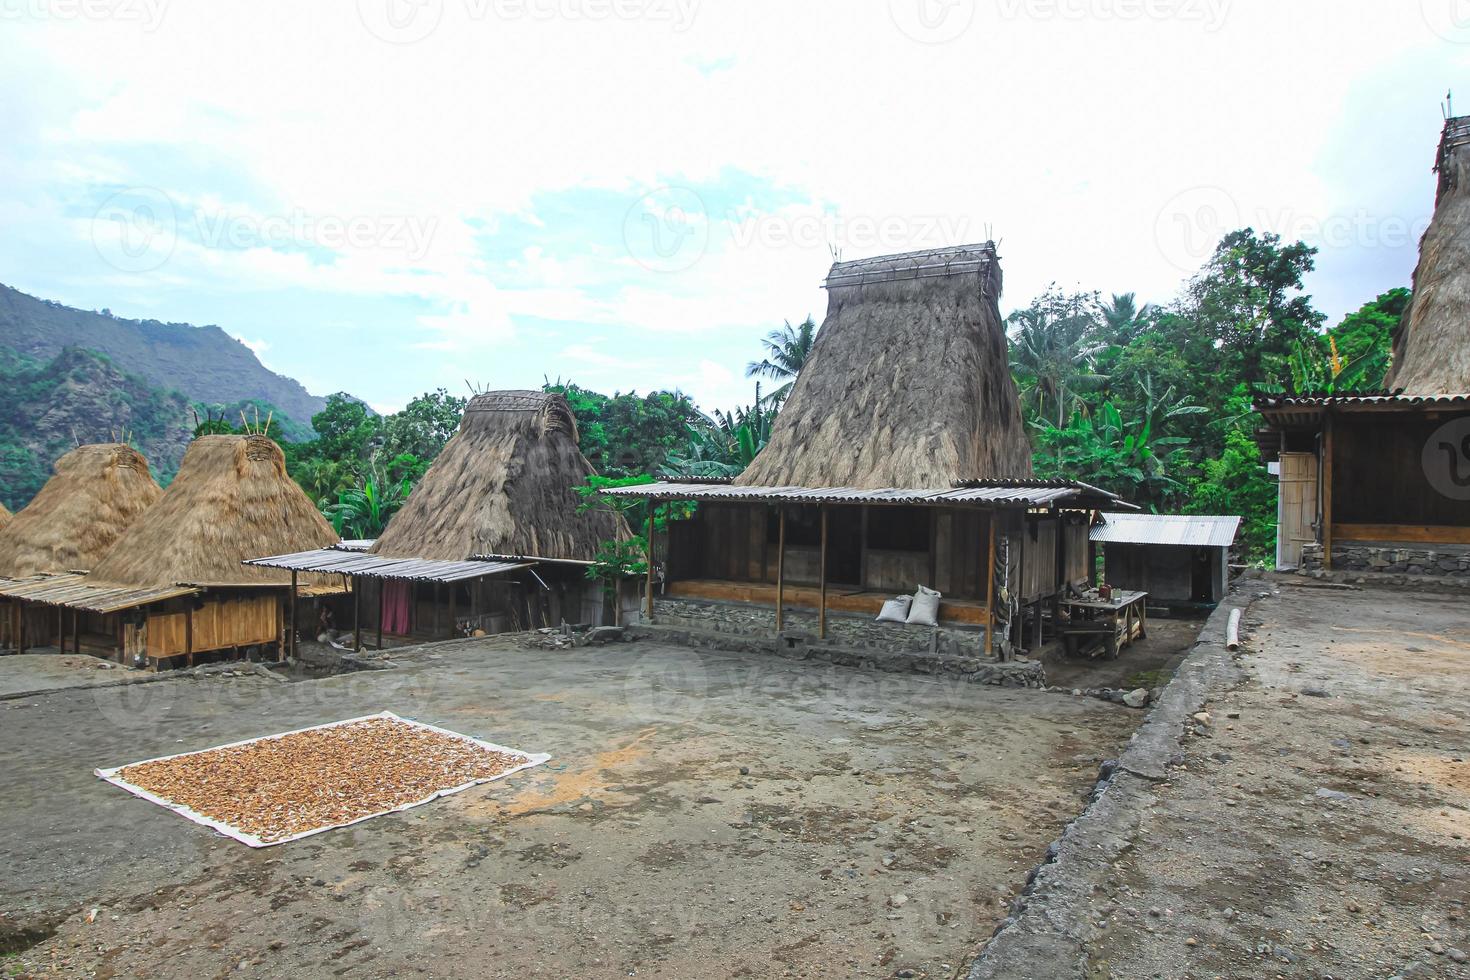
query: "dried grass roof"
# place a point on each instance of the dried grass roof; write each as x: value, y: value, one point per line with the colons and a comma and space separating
x: 503, y: 485
x: 908, y: 383
x: 231, y: 500
x: 96, y: 494
x: 1431, y: 353
x: 5, y: 517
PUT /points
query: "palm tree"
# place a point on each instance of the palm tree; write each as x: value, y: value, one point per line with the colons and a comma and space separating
x: 1124, y: 316
x: 1053, y: 353
x: 786, y: 352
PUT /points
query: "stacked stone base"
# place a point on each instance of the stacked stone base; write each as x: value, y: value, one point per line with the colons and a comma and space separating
x: 851, y: 641
x: 1445, y: 561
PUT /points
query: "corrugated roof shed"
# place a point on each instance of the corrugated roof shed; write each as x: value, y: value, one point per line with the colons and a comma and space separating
x: 1194, y: 531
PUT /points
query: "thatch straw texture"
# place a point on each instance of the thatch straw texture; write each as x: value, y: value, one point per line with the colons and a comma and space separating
x: 231, y: 500
x: 5, y: 517
x: 908, y: 383
x: 1431, y: 353
x: 503, y: 486
x: 96, y: 494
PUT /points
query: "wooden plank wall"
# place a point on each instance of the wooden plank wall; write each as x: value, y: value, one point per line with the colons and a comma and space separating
x: 1379, y: 472
x: 1039, y: 558
x: 222, y: 623
x: 1074, y: 543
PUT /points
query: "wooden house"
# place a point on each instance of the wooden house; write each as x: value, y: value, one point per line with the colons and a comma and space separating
x: 1181, y: 561
x: 1382, y: 480
x: 899, y: 460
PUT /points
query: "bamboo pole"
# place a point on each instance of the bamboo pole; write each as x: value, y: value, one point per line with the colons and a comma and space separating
x: 990, y: 590
x: 781, y: 571
x: 822, y: 574
x: 648, y: 555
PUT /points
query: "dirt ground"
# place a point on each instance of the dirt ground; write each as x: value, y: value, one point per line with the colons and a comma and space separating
x: 1319, y: 825
x: 1144, y: 663
x: 45, y: 671
x: 703, y: 815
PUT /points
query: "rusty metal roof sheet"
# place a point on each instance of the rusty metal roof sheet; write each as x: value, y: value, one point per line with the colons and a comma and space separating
x: 80, y: 592
x: 331, y: 561
x: 1010, y: 493
x: 1185, y: 530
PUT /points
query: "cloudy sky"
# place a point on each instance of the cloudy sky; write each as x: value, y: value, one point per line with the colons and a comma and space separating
x: 386, y: 196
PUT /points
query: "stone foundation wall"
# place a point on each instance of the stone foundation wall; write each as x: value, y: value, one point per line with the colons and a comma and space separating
x: 843, y: 630
x: 1444, y: 560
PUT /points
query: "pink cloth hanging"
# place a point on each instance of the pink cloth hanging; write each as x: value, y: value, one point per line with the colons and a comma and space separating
x: 397, y: 605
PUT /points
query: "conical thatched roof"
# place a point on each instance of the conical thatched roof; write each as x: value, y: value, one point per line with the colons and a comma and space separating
x: 1431, y: 353
x: 503, y: 486
x: 908, y: 383
x: 96, y: 494
x: 231, y: 500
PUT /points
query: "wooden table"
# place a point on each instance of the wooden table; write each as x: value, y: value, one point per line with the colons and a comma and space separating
x: 1118, y: 622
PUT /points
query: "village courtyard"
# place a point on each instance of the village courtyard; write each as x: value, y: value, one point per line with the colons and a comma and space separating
x: 713, y: 814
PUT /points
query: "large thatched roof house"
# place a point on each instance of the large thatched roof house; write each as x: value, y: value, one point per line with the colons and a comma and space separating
x: 1432, y: 348
x: 231, y: 500
x: 899, y: 461
x: 503, y: 486
x: 1382, y: 480
x: 95, y: 495
x: 908, y: 383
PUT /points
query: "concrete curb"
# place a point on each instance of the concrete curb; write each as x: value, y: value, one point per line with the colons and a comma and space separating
x: 1048, y: 931
x: 240, y: 668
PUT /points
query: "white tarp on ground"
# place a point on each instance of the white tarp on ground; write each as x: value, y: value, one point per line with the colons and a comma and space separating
x: 113, y: 776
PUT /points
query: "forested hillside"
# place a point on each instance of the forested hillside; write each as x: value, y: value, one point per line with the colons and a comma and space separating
x: 205, y: 364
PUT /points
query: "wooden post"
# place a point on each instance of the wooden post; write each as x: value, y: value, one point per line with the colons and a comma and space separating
x: 356, y: 617
x: 449, y: 586
x: 20, y: 628
x: 189, y: 630
x: 990, y: 589
x: 382, y: 587
x: 15, y: 626
x: 780, y: 569
x: 822, y: 575
x: 60, y: 629
x: 76, y: 632
x: 1327, y: 492
x: 648, y: 555
x: 291, y: 637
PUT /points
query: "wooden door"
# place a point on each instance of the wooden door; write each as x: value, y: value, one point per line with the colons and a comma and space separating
x: 1296, y: 508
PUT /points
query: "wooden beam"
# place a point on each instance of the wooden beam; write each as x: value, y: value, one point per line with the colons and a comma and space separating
x: 76, y: 632
x: 1327, y: 492
x: 990, y: 589
x: 780, y: 569
x: 449, y: 587
x: 383, y: 587
x: 356, y: 616
x: 291, y: 637
x: 822, y: 576
x: 1406, y: 533
x: 648, y: 557
x: 189, y: 630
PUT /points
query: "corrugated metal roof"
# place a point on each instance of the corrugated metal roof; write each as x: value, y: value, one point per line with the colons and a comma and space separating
x: 355, y: 544
x: 1186, y: 530
x: 1001, y: 494
x: 1374, y: 399
x: 76, y: 592
x: 334, y: 562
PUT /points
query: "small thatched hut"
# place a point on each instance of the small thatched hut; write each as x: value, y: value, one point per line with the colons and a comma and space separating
x: 502, y: 486
x: 1381, y: 481
x: 172, y: 584
x: 899, y: 463
x: 96, y: 494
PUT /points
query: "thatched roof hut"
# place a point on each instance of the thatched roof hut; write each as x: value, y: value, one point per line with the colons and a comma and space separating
x: 96, y: 494
x: 503, y: 486
x: 908, y: 383
x: 231, y: 500
x: 1431, y: 352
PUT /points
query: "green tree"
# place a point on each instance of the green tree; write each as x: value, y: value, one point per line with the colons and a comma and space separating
x: 787, y: 351
x: 1053, y: 347
x: 363, y: 511
x: 625, y: 434
x: 423, y: 427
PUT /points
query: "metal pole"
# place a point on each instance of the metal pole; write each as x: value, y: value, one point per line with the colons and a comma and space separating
x: 822, y: 575
x: 781, y: 571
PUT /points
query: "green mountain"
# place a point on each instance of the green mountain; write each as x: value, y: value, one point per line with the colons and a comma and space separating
x: 205, y: 364
x: 49, y: 407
